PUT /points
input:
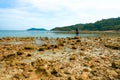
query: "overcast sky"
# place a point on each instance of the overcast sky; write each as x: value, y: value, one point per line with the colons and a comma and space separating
x: 24, y: 14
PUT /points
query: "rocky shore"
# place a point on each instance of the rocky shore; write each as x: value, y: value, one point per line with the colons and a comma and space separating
x: 95, y: 58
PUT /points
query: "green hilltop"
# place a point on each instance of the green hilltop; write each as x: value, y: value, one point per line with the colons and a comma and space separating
x: 36, y: 29
x: 102, y: 25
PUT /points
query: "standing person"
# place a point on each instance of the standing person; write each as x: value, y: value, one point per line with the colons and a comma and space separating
x: 76, y: 31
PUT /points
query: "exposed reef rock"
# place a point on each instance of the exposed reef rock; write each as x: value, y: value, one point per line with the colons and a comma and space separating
x: 94, y: 58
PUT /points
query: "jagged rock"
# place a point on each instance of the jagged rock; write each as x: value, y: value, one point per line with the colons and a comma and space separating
x: 29, y: 47
x: 73, y: 57
x: 20, y: 52
x: 84, y: 76
x: 113, y: 47
x: 112, y: 74
x: 39, y: 62
x: 26, y: 74
x: 41, y: 49
x: 78, y: 40
x: 17, y: 76
x: 68, y: 72
x: 43, y: 70
x: 77, y: 37
x: 72, y: 77
x: 116, y: 64
x: 81, y: 63
x: 28, y: 55
x: 56, y: 71
x: 86, y: 69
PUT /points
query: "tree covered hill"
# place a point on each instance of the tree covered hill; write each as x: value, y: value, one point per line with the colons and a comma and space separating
x: 102, y: 25
x: 36, y: 29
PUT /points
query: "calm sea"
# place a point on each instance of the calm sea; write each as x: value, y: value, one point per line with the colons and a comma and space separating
x: 49, y: 34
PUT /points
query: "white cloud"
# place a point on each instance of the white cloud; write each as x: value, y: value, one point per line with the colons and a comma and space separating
x: 53, y: 13
x: 56, y: 5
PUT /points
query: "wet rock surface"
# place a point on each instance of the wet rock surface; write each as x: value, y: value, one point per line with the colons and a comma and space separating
x: 94, y: 58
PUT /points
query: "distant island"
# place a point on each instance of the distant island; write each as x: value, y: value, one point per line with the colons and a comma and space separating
x: 36, y: 29
x: 102, y: 25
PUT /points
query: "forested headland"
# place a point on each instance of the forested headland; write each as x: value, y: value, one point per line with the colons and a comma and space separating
x: 102, y: 25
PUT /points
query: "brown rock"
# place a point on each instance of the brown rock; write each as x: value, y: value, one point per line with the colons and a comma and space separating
x: 43, y: 70
x: 116, y: 64
x: 26, y: 74
x: 72, y: 77
x: 29, y: 47
x: 78, y: 40
x: 74, y: 47
x: 29, y: 55
x: 77, y: 37
x: 39, y: 62
x: 84, y: 76
x: 20, y: 52
x: 112, y: 74
x: 73, y: 57
x: 56, y: 71
x: 41, y: 49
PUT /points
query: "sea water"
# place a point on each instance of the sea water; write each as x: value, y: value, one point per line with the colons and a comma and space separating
x: 49, y: 34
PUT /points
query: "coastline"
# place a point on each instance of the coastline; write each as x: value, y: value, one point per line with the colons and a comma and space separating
x: 78, y: 58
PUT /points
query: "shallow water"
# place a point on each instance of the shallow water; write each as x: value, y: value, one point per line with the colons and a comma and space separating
x: 49, y: 34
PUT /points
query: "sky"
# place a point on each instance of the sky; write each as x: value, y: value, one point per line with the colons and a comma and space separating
x: 48, y: 14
